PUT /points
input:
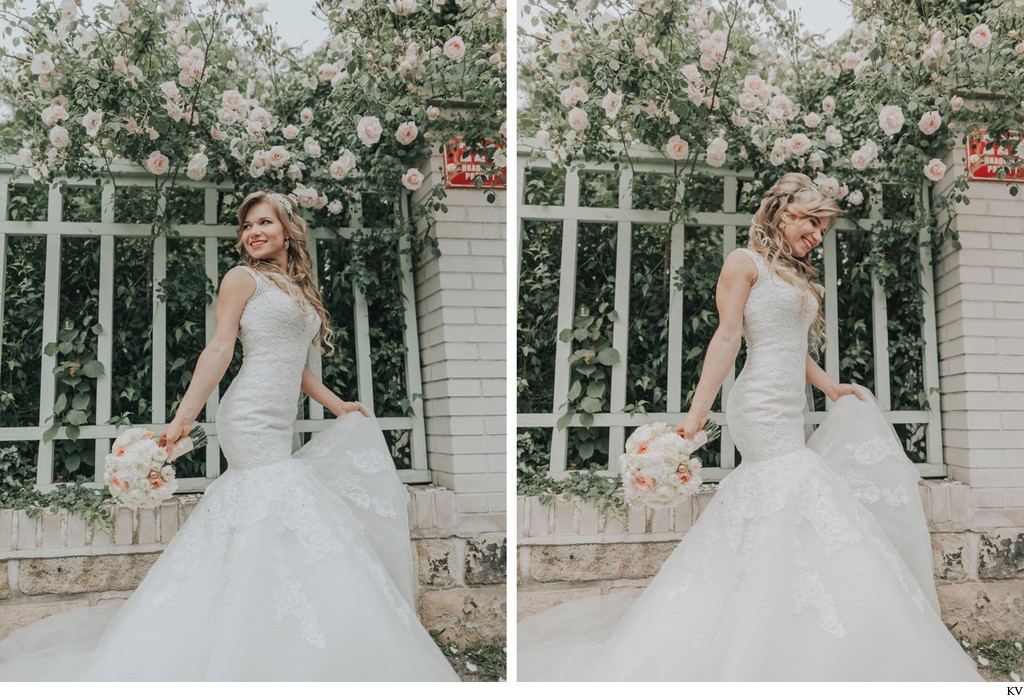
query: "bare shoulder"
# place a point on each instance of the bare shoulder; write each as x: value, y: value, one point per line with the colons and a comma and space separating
x: 739, y: 266
x: 237, y: 284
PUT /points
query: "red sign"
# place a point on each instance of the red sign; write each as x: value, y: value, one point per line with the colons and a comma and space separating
x: 462, y: 166
x: 984, y: 159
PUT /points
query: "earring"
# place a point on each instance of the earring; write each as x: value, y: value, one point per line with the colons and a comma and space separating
x: 287, y: 244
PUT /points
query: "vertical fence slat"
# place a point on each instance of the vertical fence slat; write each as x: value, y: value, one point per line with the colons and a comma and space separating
x: 364, y: 375
x: 831, y: 250
x: 159, y: 324
x: 413, y: 374
x: 211, y: 200
x: 105, y: 341
x: 880, y: 338
x: 729, y: 194
x: 620, y: 327
x: 566, y: 301
x: 933, y: 441
x: 4, y: 181
x: 314, y: 360
x: 677, y: 250
x: 51, y: 326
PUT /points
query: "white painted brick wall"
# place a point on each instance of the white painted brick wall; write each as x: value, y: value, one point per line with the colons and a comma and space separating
x: 980, y: 318
x: 460, y: 304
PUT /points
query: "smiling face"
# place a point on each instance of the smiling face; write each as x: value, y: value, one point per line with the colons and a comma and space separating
x: 263, y: 234
x: 803, y: 233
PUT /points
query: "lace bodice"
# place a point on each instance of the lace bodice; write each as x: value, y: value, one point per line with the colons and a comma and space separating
x: 256, y: 412
x: 764, y: 410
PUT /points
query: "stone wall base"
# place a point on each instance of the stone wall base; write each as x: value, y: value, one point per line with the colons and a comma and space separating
x: 59, y: 563
x: 569, y: 550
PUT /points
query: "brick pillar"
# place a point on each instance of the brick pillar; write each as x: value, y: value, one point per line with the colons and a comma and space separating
x: 460, y: 304
x: 980, y: 316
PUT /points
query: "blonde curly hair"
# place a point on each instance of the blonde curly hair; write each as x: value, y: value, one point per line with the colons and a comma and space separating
x: 297, y: 282
x: 794, y: 196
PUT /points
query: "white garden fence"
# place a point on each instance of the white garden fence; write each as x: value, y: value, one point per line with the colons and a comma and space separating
x: 127, y: 177
x: 734, y: 226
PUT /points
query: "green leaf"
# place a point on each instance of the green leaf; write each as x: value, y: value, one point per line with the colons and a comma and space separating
x: 586, y: 419
x: 76, y: 417
x: 596, y: 389
x: 72, y: 462
x: 80, y: 402
x: 60, y: 404
x: 92, y: 368
x: 564, y: 420
x: 591, y: 404
x: 608, y: 356
x: 566, y: 335
x: 585, y: 450
x: 73, y: 432
x: 51, y: 349
x: 575, y: 390
x: 50, y: 432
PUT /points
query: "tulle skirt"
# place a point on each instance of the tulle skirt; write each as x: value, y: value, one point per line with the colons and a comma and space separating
x: 298, y: 570
x: 810, y: 566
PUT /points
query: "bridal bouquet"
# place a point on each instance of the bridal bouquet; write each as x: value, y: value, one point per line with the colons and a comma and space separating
x: 659, y: 469
x: 139, y: 470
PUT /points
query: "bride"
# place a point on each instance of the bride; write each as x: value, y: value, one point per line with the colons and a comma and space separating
x: 293, y: 566
x: 812, y: 561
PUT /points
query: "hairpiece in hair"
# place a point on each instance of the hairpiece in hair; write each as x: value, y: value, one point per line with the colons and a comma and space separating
x: 283, y: 201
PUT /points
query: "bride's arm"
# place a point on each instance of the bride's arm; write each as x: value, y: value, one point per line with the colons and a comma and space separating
x: 738, y: 275
x: 829, y: 387
x: 235, y: 289
x: 315, y: 389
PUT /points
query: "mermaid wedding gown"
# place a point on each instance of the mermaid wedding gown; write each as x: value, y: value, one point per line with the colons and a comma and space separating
x: 811, y: 563
x: 292, y: 567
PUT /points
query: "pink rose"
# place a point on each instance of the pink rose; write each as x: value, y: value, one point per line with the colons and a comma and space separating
x: 578, y: 119
x: 306, y: 116
x: 197, y: 166
x: 290, y: 132
x: 828, y: 105
x: 412, y: 180
x: 753, y: 84
x: 227, y: 116
x: 812, y: 120
x: 856, y: 198
x: 369, y: 130
x: 345, y: 163
x: 42, y: 63
x: 891, y: 120
x: 860, y: 160
x: 677, y: 148
x: 433, y: 113
x: 311, y: 147
x: 326, y: 71
x: 455, y: 48
x: 981, y: 36
x: 799, y: 144
x: 935, y: 168
x: 956, y: 103
x: 833, y: 136
x: 406, y: 133
x: 232, y: 99
x: 307, y: 196
x: 930, y: 122
x: 157, y: 163
x: 278, y: 156
x: 59, y: 136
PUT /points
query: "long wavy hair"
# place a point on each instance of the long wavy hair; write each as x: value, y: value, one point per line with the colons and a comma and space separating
x: 794, y: 196
x: 297, y: 282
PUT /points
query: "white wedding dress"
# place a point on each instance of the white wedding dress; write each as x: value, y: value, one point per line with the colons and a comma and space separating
x: 811, y: 563
x: 292, y: 567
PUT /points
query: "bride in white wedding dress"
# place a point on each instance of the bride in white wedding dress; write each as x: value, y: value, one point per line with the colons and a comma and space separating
x: 293, y: 566
x: 812, y: 561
